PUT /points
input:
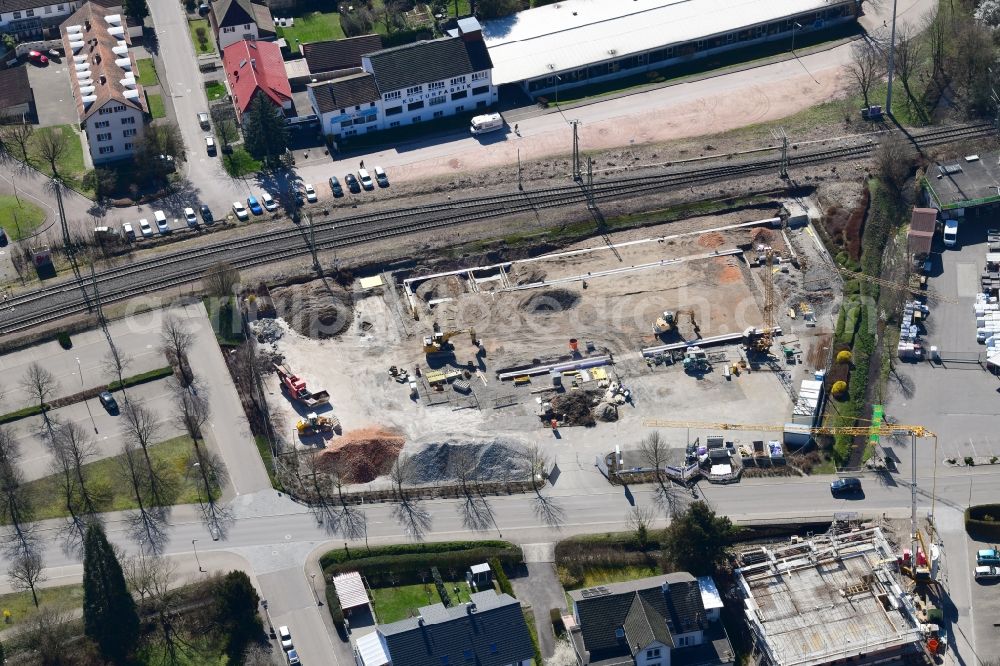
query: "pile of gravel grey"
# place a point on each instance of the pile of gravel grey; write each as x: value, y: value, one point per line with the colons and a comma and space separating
x: 496, y: 459
x: 267, y: 330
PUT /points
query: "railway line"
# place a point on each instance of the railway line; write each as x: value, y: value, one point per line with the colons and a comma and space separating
x: 68, y: 298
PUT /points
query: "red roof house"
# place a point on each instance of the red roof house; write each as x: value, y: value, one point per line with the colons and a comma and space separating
x: 920, y: 236
x: 254, y: 68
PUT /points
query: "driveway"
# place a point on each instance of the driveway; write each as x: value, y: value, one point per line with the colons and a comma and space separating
x: 541, y: 590
x: 53, y: 95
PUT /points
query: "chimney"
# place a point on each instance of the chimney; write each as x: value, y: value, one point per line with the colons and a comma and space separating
x: 253, y: 63
x: 104, y: 79
x: 86, y: 25
x: 420, y: 620
x: 470, y: 607
x: 473, y: 32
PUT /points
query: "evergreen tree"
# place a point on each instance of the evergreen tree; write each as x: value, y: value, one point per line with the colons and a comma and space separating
x: 109, y: 614
x: 696, y: 541
x: 236, y: 614
x: 136, y: 9
x: 264, y: 130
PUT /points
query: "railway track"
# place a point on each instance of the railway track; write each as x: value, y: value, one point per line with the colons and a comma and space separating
x: 117, y: 283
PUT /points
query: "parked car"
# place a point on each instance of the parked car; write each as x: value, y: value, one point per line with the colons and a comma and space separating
x: 128, y: 232
x: 145, y: 228
x: 203, y: 120
x: 987, y: 573
x: 380, y: 177
x: 950, y: 233
x: 254, y: 205
x: 366, y: 180
x: 293, y: 658
x: 38, y: 57
x: 210, y: 145
x: 191, y: 218
x: 206, y: 214
x: 108, y: 402
x: 352, y: 183
x: 310, y: 193
x: 203, y: 8
x: 241, y: 212
x: 269, y: 203
x: 988, y: 557
x: 161, y: 222
x: 847, y: 486
x: 286, y: 638
x: 335, y: 187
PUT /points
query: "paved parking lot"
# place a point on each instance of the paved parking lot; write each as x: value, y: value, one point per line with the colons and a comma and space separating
x: 53, y: 94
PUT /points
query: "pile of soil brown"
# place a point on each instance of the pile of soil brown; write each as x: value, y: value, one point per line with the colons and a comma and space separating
x: 711, y: 240
x: 317, y: 309
x: 761, y: 236
x: 550, y: 300
x: 449, y: 286
x: 576, y: 408
x: 362, y: 455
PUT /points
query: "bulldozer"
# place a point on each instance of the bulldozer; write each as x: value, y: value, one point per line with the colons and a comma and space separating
x: 314, y: 424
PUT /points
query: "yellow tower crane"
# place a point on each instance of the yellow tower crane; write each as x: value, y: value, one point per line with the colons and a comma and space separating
x: 884, y: 430
x: 762, y: 343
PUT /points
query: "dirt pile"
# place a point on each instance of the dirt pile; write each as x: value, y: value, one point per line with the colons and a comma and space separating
x: 576, y: 408
x: 729, y: 270
x: 761, y: 236
x: 362, y: 455
x: 550, y: 300
x: 487, y: 460
x: 449, y: 286
x: 711, y: 240
x: 317, y: 309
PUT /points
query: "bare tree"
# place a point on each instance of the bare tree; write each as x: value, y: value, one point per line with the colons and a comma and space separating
x: 151, y: 577
x: 193, y: 410
x: 117, y: 362
x: 474, y: 510
x: 50, y: 633
x: 907, y: 58
x: 936, y: 30
x: 865, y: 68
x: 318, y: 483
x: 39, y: 383
x: 52, y: 146
x: 63, y: 470
x: 353, y: 521
x: 175, y: 341
x: 410, y: 512
x: 639, y: 520
x: 147, y: 523
x: 76, y: 446
x: 546, y: 507
x: 141, y: 428
x: 221, y: 279
x: 15, y: 138
x: 26, y: 567
x: 21, y: 543
x: 893, y: 161
x: 401, y: 473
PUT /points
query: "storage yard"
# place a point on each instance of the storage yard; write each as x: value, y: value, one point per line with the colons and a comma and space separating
x: 470, y: 366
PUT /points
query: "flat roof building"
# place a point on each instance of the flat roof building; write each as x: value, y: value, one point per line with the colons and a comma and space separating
x: 834, y: 597
x: 575, y: 42
x: 964, y: 184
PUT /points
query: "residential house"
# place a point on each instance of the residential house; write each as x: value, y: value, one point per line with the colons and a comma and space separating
x: 26, y: 19
x: 489, y: 630
x: 348, y: 105
x: 658, y: 621
x: 339, y: 54
x: 416, y: 83
x: 254, y: 68
x: 920, y: 237
x: 16, y: 99
x: 237, y: 20
x: 109, y: 100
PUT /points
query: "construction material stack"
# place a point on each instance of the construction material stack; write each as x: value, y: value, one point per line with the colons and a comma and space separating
x: 910, y: 347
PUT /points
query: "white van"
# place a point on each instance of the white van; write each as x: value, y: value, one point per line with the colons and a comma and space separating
x: 486, y: 123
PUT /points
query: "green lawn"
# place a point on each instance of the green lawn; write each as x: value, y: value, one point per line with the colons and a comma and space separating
x: 114, y: 495
x: 201, y: 47
x: 311, y: 26
x: 203, y: 650
x: 156, y: 108
x: 215, y: 90
x: 147, y: 72
x: 22, y: 608
x: 19, y: 220
x: 402, y: 601
x: 70, y: 163
x: 240, y: 163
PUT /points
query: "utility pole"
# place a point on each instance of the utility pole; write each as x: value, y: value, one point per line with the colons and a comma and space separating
x: 520, y: 185
x: 780, y: 136
x: 892, y: 61
x: 62, y: 215
x: 312, y: 242
x: 576, y: 150
x: 590, y: 172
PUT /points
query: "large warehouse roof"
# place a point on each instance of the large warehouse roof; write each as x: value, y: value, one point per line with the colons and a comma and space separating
x: 575, y: 33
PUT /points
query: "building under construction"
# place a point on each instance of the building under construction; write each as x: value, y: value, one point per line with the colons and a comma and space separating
x: 829, y: 598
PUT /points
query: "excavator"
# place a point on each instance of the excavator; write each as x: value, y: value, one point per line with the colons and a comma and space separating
x: 439, y: 342
x: 670, y: 320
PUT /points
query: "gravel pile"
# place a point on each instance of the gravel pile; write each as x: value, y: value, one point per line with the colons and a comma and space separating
x: 267, y: 330
x: 491, y: 460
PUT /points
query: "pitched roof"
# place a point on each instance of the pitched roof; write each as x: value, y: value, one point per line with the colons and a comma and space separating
x: 341, y: 93
x: 252, y: 67
x: 644, y: 625
x: 339, y: 53
x: 14, y: 87
x: 426, y: 61
x: 104, y: 69
x: 920, y: 237
x: 238, y: 12
x: 490, y: 631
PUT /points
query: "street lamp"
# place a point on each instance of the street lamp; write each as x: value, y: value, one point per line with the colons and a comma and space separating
x: 795, y: 26
x: 315, y: 593
x: 193, y: 545
x: 263, y: 602
x: 558, y: 79
x: 79, y: 369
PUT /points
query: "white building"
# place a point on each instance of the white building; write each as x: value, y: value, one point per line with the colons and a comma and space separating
x: 26, y: 18
x: 109, y: 100
x: 409, y: 84
x: 238, y: 20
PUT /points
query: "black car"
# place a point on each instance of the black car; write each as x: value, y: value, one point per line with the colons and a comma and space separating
x: 206, y: 214
x: 108, y: 401
x: 846, y: 486
x: 338, y: 191
x: 352, y: 183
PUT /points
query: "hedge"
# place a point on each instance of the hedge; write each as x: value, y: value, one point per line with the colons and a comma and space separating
x: 21, y: 414
x: 142, y: 378
x: 411, y: 568
x: 339, y: 555
x: 977, y: 525
x: 333, y: 605
x: 502, y: 581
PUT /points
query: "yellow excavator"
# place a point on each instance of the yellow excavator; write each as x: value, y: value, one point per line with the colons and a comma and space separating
x: 439, y: 342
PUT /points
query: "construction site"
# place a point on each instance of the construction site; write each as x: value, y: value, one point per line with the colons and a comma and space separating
x: 564, y: 351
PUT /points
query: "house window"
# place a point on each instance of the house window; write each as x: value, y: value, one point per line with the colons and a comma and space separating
x: 106, y: 136
x: 106, y: 150
x: 394, y: 123
x: 437, y: 85
x: 479, y: 76
x: 653, y: 654
x: 415, y: 90
x: 481, y: 90
x: 357, y: 107
x: 128, y: 146
x: 393, y: 110
x: 101, y: 123
x: 343, y: 112
x: 459, y: 109
x: 457, y: 80
x: 30, y: 12
x: 48, y: 9
x: 437, y: 100
x: 130, y: 132
x: 17, y: 15
x: 438, y: 114
x: 346, y: 123
x: 130, y: 120
x: 416, y: 119
x: 395, y: 94
x: 61, y: 7
x: 246, y: 26
x: 461, y: 94
x: 415, y: 106
x: 362, y: 120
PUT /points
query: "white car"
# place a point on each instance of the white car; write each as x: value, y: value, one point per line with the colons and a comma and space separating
x: 269, y: 203
x: 241, y: 211
x: 286, y: 638
x: 310, y: 193
x: 987, y: 573
x: 950, y: 233
x: 380, y: 177
x: 145, y: 228
x: 191, y: 218
x: 161, y: 222
x: 210, y: 145
x: 366, y: 180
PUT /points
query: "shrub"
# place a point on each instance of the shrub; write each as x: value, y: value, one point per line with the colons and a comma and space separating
x: 980, y: 522
x: 839, y: 388
x: 993, y: 460
x: 844, y: 356
x: 333, y: 605
x: 141, y: 378
x: 501, y: 577
x: 64, y: 340
x: 970, y: 461
x: 569, y: 578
